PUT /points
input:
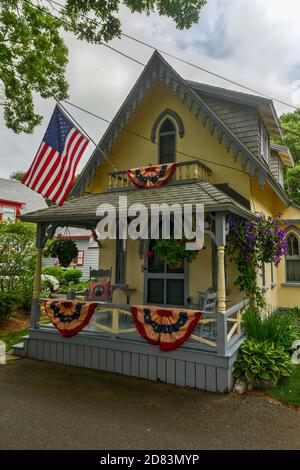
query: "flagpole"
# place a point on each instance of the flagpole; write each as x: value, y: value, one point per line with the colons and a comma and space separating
x: 87, y: 135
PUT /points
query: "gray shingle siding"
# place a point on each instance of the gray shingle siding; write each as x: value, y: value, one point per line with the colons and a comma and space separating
x: 241, y: 119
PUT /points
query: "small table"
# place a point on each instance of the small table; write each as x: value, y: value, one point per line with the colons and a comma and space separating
x: 128, y: 292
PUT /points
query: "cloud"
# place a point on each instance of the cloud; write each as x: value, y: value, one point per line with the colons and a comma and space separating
x: 254, y: 42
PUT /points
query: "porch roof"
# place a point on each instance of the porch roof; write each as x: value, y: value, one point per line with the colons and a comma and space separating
x: 84, y: 209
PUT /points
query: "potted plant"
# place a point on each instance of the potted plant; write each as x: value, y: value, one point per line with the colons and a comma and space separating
x: 62, y: 248
x: 173, y: 252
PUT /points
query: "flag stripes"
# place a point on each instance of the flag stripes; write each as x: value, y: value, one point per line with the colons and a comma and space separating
x: 52, y: 173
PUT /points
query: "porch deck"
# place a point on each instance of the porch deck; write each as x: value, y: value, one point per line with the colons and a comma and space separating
x: 111, y: 343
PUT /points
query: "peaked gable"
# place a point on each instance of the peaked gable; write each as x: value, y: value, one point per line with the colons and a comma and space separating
x: 158, y: 69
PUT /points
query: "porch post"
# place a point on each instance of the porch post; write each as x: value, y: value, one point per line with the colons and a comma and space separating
x: 35, y: 307
x: 221, y: 242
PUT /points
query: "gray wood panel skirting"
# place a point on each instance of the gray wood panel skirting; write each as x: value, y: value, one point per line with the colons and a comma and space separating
x: 184, y: 367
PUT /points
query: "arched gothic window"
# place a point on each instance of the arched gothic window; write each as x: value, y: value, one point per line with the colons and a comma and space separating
x: 293, y: 258
x: 167, y: 142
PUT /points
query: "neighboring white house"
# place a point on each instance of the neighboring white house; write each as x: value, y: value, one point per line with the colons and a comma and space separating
x: 16, y: 199
x: 88, y: 250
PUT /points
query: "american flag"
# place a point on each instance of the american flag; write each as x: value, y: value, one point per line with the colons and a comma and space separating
x: 52, y: 171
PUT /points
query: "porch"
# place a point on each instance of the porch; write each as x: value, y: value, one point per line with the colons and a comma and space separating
x: 110, y: 341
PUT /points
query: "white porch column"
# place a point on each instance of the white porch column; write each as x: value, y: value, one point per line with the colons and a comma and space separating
x: 220, y: 234
x: 221, y: 279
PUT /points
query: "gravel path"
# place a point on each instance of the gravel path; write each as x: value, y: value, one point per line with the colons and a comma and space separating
x: 51, y: 406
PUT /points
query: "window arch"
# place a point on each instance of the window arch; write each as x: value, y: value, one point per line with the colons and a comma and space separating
x: 293, y: 257
x: 167, y: 142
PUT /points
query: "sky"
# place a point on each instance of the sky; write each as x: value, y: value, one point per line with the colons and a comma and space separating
x: 254, y: 42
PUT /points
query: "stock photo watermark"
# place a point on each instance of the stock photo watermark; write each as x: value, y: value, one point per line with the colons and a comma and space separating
x: 164, y: 221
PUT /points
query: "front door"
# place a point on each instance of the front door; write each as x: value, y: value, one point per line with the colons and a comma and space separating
x: 164, y: 285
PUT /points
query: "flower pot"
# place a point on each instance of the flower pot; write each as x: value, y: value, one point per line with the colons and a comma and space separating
x: 176, y: 265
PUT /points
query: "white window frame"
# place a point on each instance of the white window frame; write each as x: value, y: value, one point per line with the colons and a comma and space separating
x: 10, y: 209
x: 280, y: 172
x: 295, y: 257
x: 264, y: 142
x: 79, y: 260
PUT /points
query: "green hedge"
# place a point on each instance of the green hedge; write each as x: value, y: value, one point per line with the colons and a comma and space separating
x: 64, y: 276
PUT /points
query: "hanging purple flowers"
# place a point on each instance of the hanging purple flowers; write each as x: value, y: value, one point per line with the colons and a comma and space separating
x: 251, y: 243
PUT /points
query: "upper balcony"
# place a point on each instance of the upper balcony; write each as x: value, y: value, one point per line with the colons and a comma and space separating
x: 184, y: 173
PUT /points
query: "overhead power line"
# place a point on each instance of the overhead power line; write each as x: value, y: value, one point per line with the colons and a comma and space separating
x: 191, y: 64
x: 284, y: 129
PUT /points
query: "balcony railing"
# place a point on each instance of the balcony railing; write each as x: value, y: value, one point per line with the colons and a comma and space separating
x: 185, y: 171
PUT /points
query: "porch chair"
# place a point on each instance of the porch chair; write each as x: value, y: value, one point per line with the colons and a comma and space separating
x: 101, y: 276
x: 208, y: 304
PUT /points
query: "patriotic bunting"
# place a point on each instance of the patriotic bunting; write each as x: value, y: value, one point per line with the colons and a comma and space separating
x: 168, y: 327
x: 152, y: 176
x: 69, y: 316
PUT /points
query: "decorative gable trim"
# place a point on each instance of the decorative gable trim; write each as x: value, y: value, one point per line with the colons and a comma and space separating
x: 158, y: 69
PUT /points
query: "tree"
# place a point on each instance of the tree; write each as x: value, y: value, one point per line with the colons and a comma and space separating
x: 17, y: 259
x: 292, y: 182
x: 33, y: 56
x: 17, y: 175
x: 290, y: 123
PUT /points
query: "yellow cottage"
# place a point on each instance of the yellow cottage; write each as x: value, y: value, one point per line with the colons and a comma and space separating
x: 220, y: 141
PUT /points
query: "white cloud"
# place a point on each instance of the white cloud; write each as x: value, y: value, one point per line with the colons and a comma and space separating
x: 250, y: 41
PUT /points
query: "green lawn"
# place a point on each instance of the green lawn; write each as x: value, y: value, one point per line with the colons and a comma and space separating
x: 289, y: 390
x: 13, y: 338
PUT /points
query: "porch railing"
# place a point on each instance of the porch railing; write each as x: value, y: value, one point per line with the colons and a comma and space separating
x: 185, y: 171
x: 216, y: 332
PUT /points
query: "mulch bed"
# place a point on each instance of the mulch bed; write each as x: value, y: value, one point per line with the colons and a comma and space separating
x: 17, y: 322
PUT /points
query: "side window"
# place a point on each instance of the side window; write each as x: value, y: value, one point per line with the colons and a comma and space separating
x: 264, y: 145
x: 8, y: 213
x: 293, y: 259
x: 167, y: 142
x: 280, y: 170
x: 79, y: 261
x: 120, y: 277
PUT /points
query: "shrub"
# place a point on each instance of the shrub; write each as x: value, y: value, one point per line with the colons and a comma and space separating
x: 275, y: 328
x: 72, y: 275
x: 64, y: 276
x: 17, y: 255
x: 77, y: 287
x: 262, y: 361
x: 8, y: 301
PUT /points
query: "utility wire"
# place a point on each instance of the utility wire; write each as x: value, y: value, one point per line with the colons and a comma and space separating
x: 141, y: 136
x: 284, y: 129
x: 88, y: 136
x: 173, y: 56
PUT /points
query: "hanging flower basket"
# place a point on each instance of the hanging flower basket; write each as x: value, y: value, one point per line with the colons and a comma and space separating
x: 173, y: 252
x: 62, y: 248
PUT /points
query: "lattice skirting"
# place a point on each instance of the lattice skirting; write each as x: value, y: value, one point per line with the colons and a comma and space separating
x: 184, y: 367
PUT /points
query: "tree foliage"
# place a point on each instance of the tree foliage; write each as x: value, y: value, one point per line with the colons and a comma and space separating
x: 292, y: 183
x: 290, y: 123
x: 33, y: 56
x: 17, y: 175
x: 17, y: 258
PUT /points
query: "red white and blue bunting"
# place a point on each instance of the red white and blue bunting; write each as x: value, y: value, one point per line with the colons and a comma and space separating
x: 167, y: 327
x: 153, y: 176
x: 69, y: 316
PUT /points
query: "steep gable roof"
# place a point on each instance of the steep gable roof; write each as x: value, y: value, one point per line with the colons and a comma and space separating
x: 14, y: 191
x: 158, y: 68
x: 265, y: 106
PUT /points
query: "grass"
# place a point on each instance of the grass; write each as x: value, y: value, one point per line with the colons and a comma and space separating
x: 288, y: 391
x: 13, y: 338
